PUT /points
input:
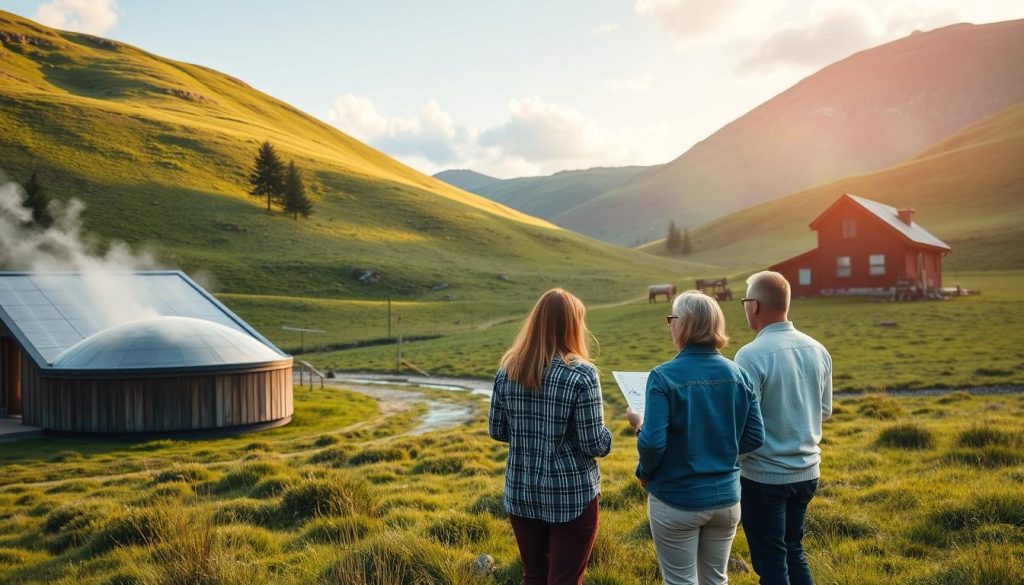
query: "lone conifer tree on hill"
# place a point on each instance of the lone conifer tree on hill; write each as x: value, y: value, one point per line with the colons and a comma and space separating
x: 672, y: 239
x: 685, y: 247
x: 38, y: 202
x: 267, y: 175
x: 296, y: 200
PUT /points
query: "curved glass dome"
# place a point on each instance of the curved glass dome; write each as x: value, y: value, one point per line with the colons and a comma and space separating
x: 165, y: 342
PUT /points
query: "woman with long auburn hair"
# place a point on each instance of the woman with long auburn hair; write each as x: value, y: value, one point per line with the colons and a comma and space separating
x: 547, y: 406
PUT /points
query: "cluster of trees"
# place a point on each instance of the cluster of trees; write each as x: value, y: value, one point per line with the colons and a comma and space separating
x: 280, y: 185
x: 678, y: 243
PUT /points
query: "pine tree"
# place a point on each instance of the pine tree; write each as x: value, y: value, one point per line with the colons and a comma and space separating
x: 38, y: 201
x: 267, y: 175
x: 685, y: 247
x: 295, y: 199
x: 672, y: 239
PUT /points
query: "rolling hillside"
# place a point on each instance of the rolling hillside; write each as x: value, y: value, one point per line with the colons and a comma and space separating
x: 159, y: 150
x: 547, y: 196
x: 864, y: 113
x: 967, y: 189
x: 466, y: 179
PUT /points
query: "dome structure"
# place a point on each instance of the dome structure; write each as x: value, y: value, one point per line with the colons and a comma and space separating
x: 70, y: 365
x: 165, y: 342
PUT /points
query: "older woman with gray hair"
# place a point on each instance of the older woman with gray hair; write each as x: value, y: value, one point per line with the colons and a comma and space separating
x: 701, y: 414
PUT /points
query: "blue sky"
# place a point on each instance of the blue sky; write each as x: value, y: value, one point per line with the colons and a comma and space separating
x: 516, y: 88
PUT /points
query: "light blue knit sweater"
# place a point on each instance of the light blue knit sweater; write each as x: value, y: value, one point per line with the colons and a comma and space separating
x: 793, y: 377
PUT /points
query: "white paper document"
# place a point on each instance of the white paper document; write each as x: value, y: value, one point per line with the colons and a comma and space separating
x: 634, y: 387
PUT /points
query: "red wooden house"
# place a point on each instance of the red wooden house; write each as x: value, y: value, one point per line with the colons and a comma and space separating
x: 866, y: 247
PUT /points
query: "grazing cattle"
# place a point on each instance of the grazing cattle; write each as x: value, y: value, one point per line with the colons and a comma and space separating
x: 669, y: 290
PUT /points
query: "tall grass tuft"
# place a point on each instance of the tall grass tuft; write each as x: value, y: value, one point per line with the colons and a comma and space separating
x: 459, y: 529
x: 245, y: 477
x: 493, y: 504
x: 987, y: 457
x: 906, y: 436
x: 337, y: 530
x: 377, y: 455
x: 982, y: 435
x: 400, y: 559
x: 247, y: 511
x: 878, y: 406
x: 190, y: 473
x: 992, y: 565
x: 330, y: 496
x: 188, y: 552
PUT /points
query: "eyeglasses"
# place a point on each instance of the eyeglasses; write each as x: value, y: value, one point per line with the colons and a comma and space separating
x: 668, y: 319
x: 745, y: 300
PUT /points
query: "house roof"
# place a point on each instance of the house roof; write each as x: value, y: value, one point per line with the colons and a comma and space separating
x: 890, y: 215
x: 48, y: 313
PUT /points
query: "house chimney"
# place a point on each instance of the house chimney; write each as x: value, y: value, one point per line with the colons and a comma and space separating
x: 906, y: 215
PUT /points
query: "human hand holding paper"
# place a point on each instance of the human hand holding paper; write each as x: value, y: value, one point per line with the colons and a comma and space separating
x: 633, y: 386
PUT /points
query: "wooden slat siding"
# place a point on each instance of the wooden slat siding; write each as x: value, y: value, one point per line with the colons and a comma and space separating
x: 156, y: 404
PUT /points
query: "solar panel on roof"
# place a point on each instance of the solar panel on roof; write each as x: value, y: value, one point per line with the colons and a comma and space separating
x: 54, y: 311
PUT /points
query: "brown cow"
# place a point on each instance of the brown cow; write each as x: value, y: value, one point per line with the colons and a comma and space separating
x: 669, y: 290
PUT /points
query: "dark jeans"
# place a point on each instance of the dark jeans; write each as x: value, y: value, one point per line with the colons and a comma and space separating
x: 773, y: 520
x: 556, y: 553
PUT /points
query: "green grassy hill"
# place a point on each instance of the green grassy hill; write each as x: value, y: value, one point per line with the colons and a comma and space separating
x: 159, y: 151
x: 864, y: 113
x: 967, y: 190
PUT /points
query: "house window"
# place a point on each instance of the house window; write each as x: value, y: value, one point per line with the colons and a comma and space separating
x: 843, y: 266
x: 876, y: 264
x: 805, y: 276
x: 849, y: 229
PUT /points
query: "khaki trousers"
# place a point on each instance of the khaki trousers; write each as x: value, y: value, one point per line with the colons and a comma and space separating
x: 693, y: 547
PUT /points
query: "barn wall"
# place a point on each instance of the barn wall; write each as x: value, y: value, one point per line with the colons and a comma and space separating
x: 905, y: 262
x: 872, y: 237
x: 158, y: 404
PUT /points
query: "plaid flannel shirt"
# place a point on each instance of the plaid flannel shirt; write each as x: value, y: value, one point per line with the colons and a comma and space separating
x: 554, y: 435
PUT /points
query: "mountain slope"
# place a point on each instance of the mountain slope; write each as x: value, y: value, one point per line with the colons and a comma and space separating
x: 466, y: 179
x: 968, y: 190
x: 159, y: 150
x: 873, y: 109
x: 547, y: 196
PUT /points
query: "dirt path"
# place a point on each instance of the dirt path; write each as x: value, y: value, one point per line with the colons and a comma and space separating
x: 506, y: 319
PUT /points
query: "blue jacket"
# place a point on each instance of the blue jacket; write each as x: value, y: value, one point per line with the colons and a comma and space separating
x: 701, y: 414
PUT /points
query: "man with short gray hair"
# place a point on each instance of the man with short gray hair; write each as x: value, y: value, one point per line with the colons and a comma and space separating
x: 792, y: 374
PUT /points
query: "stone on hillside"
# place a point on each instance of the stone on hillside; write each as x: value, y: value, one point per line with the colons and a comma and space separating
x: 484, y: 565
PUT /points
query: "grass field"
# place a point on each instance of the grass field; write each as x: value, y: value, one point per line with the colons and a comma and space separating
x: 963, y: 342
x: 916, y: 490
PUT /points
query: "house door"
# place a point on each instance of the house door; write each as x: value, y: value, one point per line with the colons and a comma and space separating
x: 10, y: 376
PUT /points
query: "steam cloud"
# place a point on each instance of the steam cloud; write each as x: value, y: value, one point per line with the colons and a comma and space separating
x: 108, y: 285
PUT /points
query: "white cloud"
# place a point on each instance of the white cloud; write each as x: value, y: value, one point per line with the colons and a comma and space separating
x: 543, y: 131
x: 832, y: 35
x: 834, y: 30
x: 605, y: 29
x: 634, y: 85
x: 94, y: 17
x: 692, y: 21
x: 538, y: 137
x: 357, y: 117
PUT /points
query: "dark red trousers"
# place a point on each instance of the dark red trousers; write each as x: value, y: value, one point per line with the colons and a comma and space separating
x: 556, y: 553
